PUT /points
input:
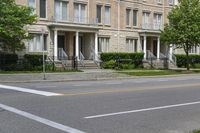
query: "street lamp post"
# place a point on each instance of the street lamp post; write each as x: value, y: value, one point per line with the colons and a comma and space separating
x: 44, y: 76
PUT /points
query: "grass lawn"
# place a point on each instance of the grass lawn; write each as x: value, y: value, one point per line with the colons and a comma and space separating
x: 144, y: 72
x: 196, y: 131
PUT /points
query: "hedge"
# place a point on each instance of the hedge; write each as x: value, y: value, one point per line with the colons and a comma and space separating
x: 113, y: 56
x: 181, y: 60
x: 8, y: 61
x: 33, y: 61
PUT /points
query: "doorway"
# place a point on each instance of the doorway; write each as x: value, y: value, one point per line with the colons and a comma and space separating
x: 155, y: 47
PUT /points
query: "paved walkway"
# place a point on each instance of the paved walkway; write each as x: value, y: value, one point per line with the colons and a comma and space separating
x: 90, y: 74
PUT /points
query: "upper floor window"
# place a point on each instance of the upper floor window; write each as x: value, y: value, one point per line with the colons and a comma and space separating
x: 135, y: 17
x: 32, y: 4
x: 128, y: 11
x: 42, y: 8
x: 157, y: 21
x: 107, y: 15
x: 171, y: 2
x: 60, y: 10
x: 145, y: 19
x: 99, y: 13
x: 159, y: 1
x: 80, y: 12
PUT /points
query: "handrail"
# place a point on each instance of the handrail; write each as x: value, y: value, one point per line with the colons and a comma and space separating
x: 172, y: 58
x: 162, y: 56
x: 62, y: 56
x: 82, y: 58
x: 150, y: 55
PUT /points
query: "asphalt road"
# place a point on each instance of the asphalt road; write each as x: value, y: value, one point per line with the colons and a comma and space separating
x: 143, y: 105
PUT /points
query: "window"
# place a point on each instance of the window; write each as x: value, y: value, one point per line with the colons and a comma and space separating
x: 35, y: 44
x: 157, y: 21
x: 131, y: 45
x: 193, y: 50
x: 135, y: 13
x: 103, y: 44
x: 42, y: 8
x: 32, y: 4
x: 99, y: 12
x: 145, y: 20
x: 107, y: 15
x: 128, y: 11
x: 80, y: 13
x: 171, y: 2
x: 60, y: 10
x: 159, y: 1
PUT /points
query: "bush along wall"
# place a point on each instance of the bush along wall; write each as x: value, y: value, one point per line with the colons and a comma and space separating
x: 182, y: 60
x: 122, y: 60
x: 33, y: 61
x: 8, y: 61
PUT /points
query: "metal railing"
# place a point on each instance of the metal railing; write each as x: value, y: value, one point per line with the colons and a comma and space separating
x: 62, y: 56
x: 172, y: 58
x: 152, y: 26
x: 82, y: 58
x: 76, y: 20
x: 150, y: 55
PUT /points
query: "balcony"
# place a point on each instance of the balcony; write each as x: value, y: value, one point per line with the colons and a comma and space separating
x: 76, y: 21
x: 152, y: 26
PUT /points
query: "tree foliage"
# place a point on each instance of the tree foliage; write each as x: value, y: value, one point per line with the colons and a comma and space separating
x: 13, y: 19
x: 183, y: 28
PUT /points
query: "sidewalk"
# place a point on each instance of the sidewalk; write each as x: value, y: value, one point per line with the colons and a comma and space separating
x: 90, y: 74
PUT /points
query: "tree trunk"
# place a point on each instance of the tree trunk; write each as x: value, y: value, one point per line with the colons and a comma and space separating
x: 188, y: 61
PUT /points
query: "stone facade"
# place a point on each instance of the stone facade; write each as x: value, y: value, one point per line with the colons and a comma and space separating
x: 87, y: 34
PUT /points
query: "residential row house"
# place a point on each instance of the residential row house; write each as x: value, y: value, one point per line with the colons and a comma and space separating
x: 86, y: 28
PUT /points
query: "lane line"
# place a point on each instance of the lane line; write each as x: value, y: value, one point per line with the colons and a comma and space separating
x: 43, y: 93
x: 123, y: 90
x: 40, y: 119
x: 142, y: 110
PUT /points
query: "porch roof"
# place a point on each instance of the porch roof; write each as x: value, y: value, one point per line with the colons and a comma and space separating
x: 149, y: 32
x: 73, y: 27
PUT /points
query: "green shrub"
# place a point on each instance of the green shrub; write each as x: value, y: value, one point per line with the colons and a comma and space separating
x: 127, y: 66
x: 109, y: 64
x: 135, y: 57
x: 33, y: 61
x: 182, y: 60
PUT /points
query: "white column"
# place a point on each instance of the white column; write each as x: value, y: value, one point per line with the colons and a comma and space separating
x: 77, y: 45
x: 55, y: 44
x: 145, y: 47
x: 96, y: 46
x: 170, y: 51
x: 158, y: 48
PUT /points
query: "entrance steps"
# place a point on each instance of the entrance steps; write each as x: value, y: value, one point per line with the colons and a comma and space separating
x: 162, y: 64
x: 86, y: 64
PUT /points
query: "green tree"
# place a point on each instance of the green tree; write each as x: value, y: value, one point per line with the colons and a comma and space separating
x: 183, y: 28
x: 13, y: 19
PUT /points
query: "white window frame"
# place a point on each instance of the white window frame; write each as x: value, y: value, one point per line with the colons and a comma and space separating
x: 97, y: 14
x: 145, y: 20
x: 79, y: 18
x: 36, y: 46
x: 128, y: 17
x: 135, y: 10
x: 103, y: 44
x: 194, y: 50
x: 131, y: 45
x: 60, y: 17
x: 157, y: 19
x: 32, y: 6
x: 107, y: 22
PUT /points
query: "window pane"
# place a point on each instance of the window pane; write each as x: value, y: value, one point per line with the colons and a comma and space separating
x: 31, y: 3
x: 76, y: 12
x: 107, y: 15
x: 128, y: 17
x: 83, y: 13
x: 64, y: 10
x: 42, y: 8
x: 99, y: 7
x: 57, y: 10
x: 135, y: 17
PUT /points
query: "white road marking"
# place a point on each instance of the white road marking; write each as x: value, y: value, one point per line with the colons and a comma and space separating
x: 41, y: 120
x: 142, y: 110
x: 43, y: 93
x: 45, y: 87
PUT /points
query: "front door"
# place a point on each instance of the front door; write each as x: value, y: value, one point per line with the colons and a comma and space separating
x: 155, y: 47
x: 61, y: 41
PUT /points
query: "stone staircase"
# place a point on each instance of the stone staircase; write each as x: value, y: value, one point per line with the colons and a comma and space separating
x: 87, y: 64
x: 162, y: 64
